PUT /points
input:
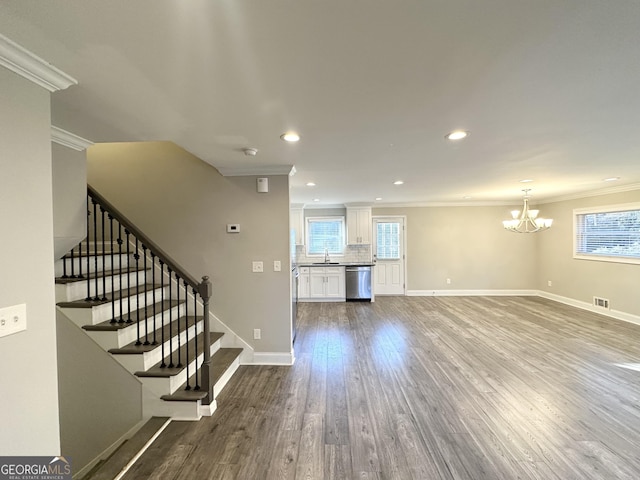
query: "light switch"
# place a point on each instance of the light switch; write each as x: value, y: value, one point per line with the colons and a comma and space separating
x: 277, y: 266
x: 258, y: 267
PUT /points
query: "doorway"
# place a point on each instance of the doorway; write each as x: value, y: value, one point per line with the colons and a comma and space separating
x: 389, y: 255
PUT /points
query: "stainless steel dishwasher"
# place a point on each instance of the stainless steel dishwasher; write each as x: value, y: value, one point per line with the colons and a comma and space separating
x: 358, y: 283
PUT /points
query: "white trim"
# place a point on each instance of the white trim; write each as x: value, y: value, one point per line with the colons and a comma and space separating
x: 28, y: 65
x: 68, y: 139
x: 471, y: 293
x: 272, y: 358
x: 207, y: 410
x: 592, y: 193
x: 626, y: 317
x: 254, y: 171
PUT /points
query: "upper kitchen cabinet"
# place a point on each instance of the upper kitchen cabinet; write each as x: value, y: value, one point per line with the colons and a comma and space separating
x: 297, y: 224
x: 359, y: 225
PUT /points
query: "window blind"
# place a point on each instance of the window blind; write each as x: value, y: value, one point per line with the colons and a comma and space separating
x: 608, y: 234
x: 325, y: 233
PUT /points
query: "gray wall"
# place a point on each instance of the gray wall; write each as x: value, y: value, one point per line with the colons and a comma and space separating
x: 184, y: 205
x: 29, y: 414
x: 69, y: 198
x: 100, y: 401
x: 467, y: 245
x: 583, y: 279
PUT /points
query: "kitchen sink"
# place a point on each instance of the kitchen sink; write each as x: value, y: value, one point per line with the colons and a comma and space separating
x: 326, y: 263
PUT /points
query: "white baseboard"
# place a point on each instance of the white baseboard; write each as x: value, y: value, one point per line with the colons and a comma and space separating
x: 207, y: 410
x: 272, y: 358
x: 626, y: 317
x: 471, y: 293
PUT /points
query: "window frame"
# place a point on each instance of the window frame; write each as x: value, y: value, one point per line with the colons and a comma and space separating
x: 325, y: 218
x: 577, y: 212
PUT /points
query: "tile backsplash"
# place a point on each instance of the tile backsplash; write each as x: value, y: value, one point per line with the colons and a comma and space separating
x: 352, y: 253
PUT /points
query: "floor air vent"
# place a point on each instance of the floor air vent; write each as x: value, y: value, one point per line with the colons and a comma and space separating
x: 601, y: 302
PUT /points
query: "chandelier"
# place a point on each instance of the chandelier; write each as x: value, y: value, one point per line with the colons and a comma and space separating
x: 526, y: 221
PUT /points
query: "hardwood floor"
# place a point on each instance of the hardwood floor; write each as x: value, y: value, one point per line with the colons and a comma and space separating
x: 425, y: 388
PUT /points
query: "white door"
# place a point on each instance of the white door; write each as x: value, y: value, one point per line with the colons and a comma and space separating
x: 388, y: 251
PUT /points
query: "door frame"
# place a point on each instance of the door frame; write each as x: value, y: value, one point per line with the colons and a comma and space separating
x: 404, y: 242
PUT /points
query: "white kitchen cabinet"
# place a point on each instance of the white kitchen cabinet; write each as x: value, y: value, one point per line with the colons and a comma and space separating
x: 325, y: 284
x: 303, y: 283
x: 359, y: 225
x: 296, y: 219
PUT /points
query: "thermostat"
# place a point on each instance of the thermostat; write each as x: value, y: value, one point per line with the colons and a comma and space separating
x: 233, y: 227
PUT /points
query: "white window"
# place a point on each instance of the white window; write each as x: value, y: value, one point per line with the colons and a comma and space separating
x: 325, y: 233
x: 609, y: 234
x: 388, y: 240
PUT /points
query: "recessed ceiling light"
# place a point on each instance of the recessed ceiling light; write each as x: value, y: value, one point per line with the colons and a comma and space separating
x: 526, y: 180
x: 290, y: 137
x: 316, y: 199
x: 311, y: 184
x: 611, y: 179
x: 456, y: 135
x: 378, y: 199
x: 398, y: 182
x: 467, y: 197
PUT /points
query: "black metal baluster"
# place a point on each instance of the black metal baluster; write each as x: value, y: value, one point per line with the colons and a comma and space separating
x: 179, y: 365
x: 64, y: 267
x: 80, y: 260
x: 120, y: 271
x: 146, y: 304
x: 163, y: 364
x: 95, y: 247
x: 127, y: 233
x: 88, y: 297
x: 73, y: 267
x: 186, y: 330
x: 104, y: 258
x: 153, y: 280
x: 137, y: 257
x: 195, y: 312
x: 171, y: 365
x: 113, y: 273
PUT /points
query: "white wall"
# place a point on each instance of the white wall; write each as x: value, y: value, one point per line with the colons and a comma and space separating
x: 467, y: 245
x: 28, y: 377
x: 183, y: 204
x: 69, y: 198
x: 581, y: 280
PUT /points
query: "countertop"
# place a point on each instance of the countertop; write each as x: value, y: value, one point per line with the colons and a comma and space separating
x: 337, y: 264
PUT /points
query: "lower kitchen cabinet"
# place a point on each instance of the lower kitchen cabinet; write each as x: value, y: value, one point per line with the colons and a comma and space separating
x: 322, y: 284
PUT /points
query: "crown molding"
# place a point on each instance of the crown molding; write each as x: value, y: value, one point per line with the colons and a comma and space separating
x: 68, y: 139
x: 254, y: 171
x: 592, y: 193
x: 28, y: 65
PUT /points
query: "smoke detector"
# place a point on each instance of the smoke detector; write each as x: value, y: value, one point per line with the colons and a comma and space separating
x: 250, y: 152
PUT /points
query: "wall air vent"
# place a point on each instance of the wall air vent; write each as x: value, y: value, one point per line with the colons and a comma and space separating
x: 601, y: 302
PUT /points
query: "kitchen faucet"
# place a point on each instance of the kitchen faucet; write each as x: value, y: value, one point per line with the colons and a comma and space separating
x: 326, y: 255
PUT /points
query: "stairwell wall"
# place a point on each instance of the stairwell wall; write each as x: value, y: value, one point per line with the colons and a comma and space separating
x: 29, y: 414
x: 184, y: 205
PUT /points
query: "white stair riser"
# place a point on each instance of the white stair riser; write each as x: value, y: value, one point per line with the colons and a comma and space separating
x: 136, y: 363
x: 103, y: 312
x: 168, y: 385
x: 117, y: 261
x: 124, y: 336
x: 226, y: 376
x: 78, y: 290
x: 152, y: 405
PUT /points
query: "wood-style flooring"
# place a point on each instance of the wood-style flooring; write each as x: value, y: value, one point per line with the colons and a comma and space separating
x: 425, y: 388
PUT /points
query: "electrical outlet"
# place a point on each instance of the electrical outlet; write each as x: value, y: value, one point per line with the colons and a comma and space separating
x: 258, y: 267
x: 257, y: 334
x: 549, y: 283
x: 448, y: 281
x: 277, y: 266
x: 13, y: 319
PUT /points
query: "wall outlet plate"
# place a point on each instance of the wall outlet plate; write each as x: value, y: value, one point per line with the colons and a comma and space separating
x: 13, y: 319
x: 258, y: 267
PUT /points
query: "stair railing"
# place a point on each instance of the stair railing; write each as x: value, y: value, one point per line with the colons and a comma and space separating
x: 106, y: 228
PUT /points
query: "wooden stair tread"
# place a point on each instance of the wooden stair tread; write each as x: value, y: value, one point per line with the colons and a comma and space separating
x: 129, y: 449
x: 147, y: 312
x: 120, y: 294
x: 133, y: 349
x: 106, y: 273
x: 220, y: 362
x: 158, y: 371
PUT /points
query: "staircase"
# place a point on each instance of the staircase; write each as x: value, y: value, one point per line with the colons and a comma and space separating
x: 151, y: 316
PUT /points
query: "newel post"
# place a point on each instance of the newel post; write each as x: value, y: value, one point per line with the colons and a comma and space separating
x: 205, y: 289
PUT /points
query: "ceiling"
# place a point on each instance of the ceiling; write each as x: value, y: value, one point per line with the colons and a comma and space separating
x: 547, y: 89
